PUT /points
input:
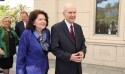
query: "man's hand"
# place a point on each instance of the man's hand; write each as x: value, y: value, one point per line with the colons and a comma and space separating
x: 77, y: 57
x: 81, y: 54
x: 1, y: 52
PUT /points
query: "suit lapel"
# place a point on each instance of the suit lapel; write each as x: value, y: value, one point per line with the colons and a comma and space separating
x: 76, y: 34
x: 22, y: 26
x: 37, y: 44
x: 66, y: 30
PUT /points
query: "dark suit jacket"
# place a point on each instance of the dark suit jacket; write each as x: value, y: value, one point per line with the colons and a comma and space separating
x: 19, y: 28
x: 62, y: 47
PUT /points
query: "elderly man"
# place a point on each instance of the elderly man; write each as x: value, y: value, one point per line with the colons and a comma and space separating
x: 68, y: 43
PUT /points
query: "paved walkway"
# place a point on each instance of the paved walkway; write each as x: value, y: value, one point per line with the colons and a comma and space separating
x: 87, y: 69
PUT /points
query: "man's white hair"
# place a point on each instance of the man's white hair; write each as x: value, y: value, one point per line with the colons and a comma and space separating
x: 67, y: 6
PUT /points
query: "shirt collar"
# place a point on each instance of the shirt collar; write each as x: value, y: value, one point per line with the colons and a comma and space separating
x: 68, y: 25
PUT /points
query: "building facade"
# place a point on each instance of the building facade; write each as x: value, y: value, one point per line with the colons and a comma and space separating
x: 102, y: 49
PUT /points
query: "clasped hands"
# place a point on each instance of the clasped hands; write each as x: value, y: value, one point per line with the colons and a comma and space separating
x: 77, y: 57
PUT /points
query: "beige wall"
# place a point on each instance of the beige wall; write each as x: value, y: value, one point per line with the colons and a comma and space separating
x: 106, y: 50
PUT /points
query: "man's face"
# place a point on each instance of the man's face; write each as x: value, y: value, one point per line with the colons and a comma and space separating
x: 24, y: 17
x: 70, y: 14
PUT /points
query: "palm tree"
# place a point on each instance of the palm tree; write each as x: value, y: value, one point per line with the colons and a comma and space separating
x: 3, y: 10
x: 17, y: 10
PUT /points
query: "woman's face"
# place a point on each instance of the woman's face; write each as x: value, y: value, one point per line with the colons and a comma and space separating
x: 7, y: 23
x: 40, y: 22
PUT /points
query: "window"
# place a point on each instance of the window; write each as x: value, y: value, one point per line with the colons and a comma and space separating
x: 107, y: 17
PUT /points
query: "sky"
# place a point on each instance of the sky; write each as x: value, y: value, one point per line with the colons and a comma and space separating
x: 13, y: 3
x: 102, y: 4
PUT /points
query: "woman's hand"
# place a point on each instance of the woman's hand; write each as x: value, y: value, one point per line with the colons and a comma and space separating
x: 1, y: 52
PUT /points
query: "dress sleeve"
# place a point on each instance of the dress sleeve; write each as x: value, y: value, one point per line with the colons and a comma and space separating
x: 15, y: 35
x: 1, y: 36
x: 22, y: 50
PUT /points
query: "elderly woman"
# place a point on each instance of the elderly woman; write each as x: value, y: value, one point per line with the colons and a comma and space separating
x: 34, y: 45
x: 8, y: 39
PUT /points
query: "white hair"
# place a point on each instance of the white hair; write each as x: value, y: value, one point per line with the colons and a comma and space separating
x: 67, y: 6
